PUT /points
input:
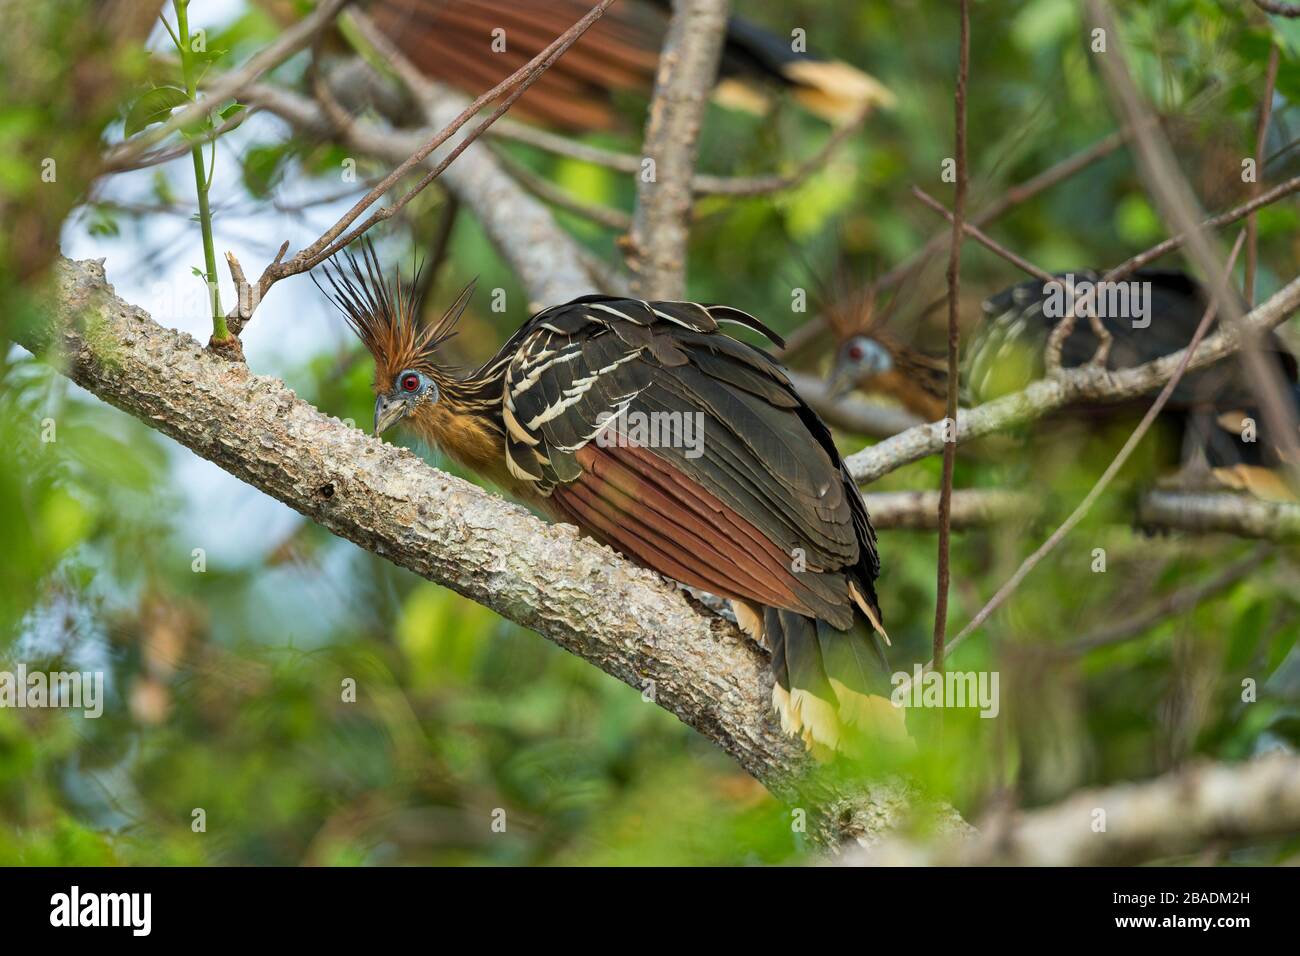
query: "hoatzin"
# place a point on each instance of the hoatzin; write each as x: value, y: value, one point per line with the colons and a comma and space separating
x: 758, y: 508
x: 474, y: 44
x: 1006, y: 352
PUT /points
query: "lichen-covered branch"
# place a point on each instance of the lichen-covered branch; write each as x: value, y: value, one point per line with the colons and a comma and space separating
x: 628, y: 621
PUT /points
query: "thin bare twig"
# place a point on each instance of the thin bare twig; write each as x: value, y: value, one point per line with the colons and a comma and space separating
x: 551, y: 266
x: 336, y: 237
x: 1016, y: 195
x: 944, y: 575
x: 1173, y: 243
x: 1261, y: 135
x: 983, y: 238
x: 1172, y: 605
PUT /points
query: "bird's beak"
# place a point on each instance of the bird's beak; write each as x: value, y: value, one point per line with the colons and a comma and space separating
x: 841, y: 382
x: 388, y: 412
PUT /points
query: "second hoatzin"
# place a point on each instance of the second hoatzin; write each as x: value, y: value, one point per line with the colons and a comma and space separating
x: 761, y: 511
x: 1006, y: 352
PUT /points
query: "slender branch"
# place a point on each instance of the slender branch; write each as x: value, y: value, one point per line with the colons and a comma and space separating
x: 1261, y: 137
x: 656, y: 246
x: 944, y: 572
x: 1174, y: 243
x: 983, y: 238
x: 1173, y: 605
x: 297, y: 37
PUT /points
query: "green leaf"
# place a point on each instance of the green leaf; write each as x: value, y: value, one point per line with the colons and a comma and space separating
x: 154, y: 107
x: 231, y: 110
x: 260, y: 166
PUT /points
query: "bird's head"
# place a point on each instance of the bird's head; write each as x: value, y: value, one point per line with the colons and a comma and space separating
x: 385, y: 315
x: 864, y: 349
x: 858, y: 360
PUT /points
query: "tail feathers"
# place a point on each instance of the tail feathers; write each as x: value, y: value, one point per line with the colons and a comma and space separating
x: 1262, y: 483
x: 831, y: 89
x: 836, y: 91
x: 831, y: 687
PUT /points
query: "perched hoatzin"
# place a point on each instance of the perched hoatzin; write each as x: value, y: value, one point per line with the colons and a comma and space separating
x: 474, y: 44
x: 757, y: 507
x: 1006, y: 352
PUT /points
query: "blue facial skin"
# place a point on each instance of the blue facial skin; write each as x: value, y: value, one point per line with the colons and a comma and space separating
x: 859, y: 360
x: 411, y: 388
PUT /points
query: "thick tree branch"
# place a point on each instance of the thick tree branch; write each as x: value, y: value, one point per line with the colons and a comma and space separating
x: 1239, y: 515
x: 1173, y: 815
x: 971, y: 508
x: 629, y: 622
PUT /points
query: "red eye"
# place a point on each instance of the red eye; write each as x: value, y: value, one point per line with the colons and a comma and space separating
x: 856, y: 352
x: 410, y: 382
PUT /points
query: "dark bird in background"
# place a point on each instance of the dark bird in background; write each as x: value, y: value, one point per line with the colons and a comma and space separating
x: 1208, y: 410
x: 452, y: 41
x: 759, y: 510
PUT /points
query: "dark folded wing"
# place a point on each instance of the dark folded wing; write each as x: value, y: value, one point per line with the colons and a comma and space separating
x: 747, y: 497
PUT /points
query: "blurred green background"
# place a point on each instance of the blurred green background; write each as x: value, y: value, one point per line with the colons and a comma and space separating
x: 224, y: 687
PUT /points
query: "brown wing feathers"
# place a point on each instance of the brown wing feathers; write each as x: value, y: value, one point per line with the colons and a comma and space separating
x: 760, y: 511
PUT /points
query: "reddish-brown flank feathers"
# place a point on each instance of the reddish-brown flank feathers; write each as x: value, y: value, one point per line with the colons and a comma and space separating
x: 643, y: 507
